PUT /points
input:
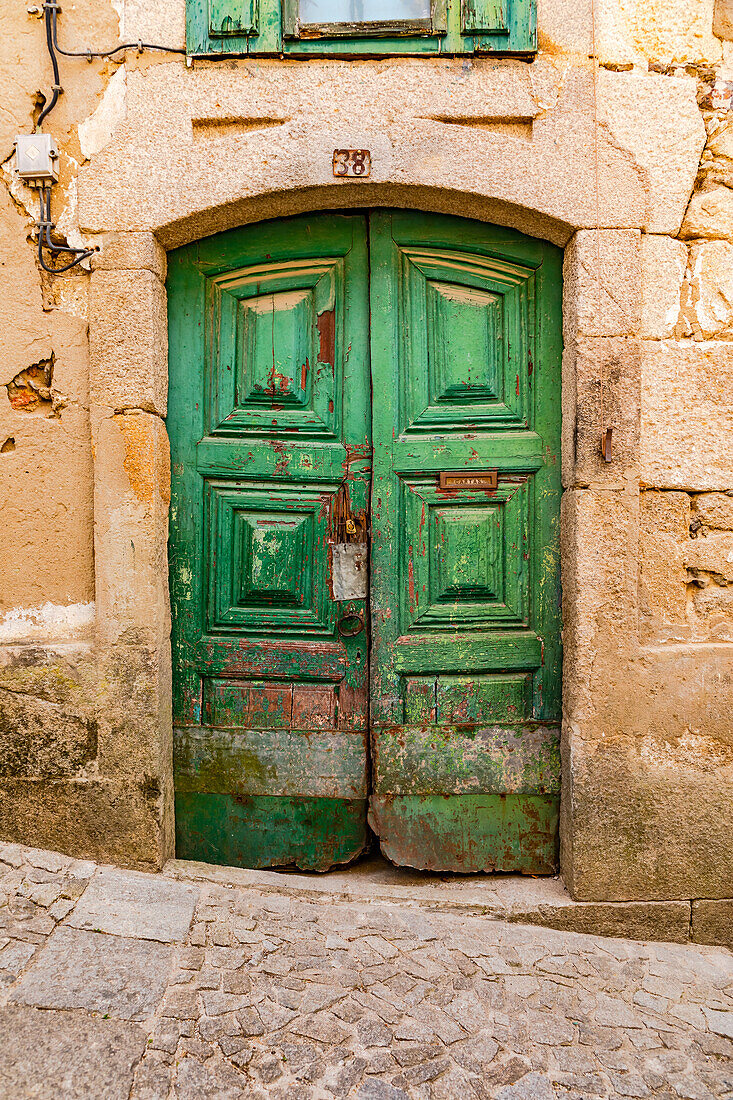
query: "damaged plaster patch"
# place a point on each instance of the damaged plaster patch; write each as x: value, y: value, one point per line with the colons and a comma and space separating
x: 97, y: 130
x: 30, y: 390
x: 50, y: 621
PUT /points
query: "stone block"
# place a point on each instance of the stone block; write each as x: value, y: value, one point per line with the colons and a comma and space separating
x: 164, y: 23
x: 111, y: 975
x: 663, y: 263
x: 648, y: 781
x: 64, y: 673
x: 564, y: 27
x: 134, y: 711
x: 49, y: 1055
x: 131, y: 252
x: 130, y: 903
x: 672, y: 31
x: 711, y: 609
x: 723, y: 19
x: 712, y: 922
x: 710, y: 214
x: 111, y: 821
x: 687, y: 415
x: 707, y: 294
x: 599, y: 546
x: 42, y: 739
x: 604, y: 377
x: 658, y: 120
x: 713, y: 554
x: 128, y: 341
x: 544, y: 186
x: 720, y: 142
x: 714, y: 510
x: 602, y: 283
x: 132, y: 494
x: 664, y: 532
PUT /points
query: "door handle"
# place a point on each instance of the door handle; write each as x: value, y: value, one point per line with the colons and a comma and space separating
x: 350, y: 625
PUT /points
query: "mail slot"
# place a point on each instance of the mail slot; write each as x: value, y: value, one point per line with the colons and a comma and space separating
x: 478, y: 479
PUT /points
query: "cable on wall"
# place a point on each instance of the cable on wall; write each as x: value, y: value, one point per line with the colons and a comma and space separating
x: 51, y: 9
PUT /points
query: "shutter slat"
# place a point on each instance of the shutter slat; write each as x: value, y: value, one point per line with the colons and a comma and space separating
x: 231, y: 17
x: 484, y: 17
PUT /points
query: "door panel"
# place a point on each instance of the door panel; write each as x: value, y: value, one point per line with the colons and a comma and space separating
x: 465, y: 663
x: 269, y: 426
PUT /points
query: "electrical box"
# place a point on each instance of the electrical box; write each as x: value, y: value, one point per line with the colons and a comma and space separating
x: 36, y: 159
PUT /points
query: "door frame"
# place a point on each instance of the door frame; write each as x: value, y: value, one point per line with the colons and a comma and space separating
x: 129, y: 376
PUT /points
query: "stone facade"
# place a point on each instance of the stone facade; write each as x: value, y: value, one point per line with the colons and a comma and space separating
x: 623, y: 157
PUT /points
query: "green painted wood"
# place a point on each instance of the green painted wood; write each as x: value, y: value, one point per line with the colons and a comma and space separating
x: 484, y: 15
x: 240, y: 831
x: 465, y: 344
x: 445, y: 760
x: 469, y: 833
x: 303, y: 763
x: 271, y: 27
x: 269, y: 417
x: 231, y: 17
x: 269, y: 420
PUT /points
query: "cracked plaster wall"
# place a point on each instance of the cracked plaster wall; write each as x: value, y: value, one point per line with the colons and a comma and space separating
x: 153, y: 155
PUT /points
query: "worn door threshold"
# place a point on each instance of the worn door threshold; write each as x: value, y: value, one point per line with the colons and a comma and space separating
x: 518, y: 899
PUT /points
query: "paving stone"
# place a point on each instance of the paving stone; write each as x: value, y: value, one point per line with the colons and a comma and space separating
x: 65, y: 1056
x: 116, y: 976
x: 533, y: 1086
x: 152, y: 1079
x: 373, y: 1033
x: 375, y: 1089
x: 203, y: 1081
x: 332, y: 999
x: 15, y: 955
x: 130, y: 903
x: 628, y: 1084
x: 720, y: 1022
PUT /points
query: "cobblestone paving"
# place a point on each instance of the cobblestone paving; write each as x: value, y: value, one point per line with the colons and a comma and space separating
x: 177, y: 991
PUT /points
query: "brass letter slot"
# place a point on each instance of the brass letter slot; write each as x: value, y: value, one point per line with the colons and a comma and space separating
x: 482, y: 479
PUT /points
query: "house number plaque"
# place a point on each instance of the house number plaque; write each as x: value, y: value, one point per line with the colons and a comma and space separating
x: 352, y: 162
x: 481, y: 479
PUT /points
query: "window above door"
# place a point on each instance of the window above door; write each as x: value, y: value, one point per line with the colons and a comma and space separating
x: 350, y: 28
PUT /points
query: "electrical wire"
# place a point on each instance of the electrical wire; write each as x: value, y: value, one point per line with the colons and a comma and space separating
x: 50, y: 13
x: 56, y: 78
x: 52, y: 7
x: 45, y: 225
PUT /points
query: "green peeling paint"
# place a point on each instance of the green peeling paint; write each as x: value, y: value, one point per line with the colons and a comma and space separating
x: 279, y: 335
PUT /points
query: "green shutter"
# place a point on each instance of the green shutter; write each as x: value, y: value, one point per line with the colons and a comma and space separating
x: 231, y: 17
x: 485, y: 16
x: 241, y: 27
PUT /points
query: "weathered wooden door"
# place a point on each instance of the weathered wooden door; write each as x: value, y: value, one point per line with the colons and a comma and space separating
x: 269, y: 427
x: 269, y: 419
x: 465, y: 665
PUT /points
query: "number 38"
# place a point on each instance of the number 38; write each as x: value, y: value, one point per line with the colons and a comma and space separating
x: 351, y: 162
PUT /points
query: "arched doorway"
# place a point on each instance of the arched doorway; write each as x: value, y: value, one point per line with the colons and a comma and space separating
x: 364, y: 418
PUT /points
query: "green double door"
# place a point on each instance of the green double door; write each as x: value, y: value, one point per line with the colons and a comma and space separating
x: 364, y: 415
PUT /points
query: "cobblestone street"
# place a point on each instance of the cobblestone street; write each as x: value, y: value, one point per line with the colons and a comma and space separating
x: 119, y: 984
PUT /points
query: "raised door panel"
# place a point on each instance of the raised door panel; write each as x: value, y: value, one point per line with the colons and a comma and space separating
x: 269, y: 425
x: 465, y: 604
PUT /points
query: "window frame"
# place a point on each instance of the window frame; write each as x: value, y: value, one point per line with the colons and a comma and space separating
x: 277, y: 32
